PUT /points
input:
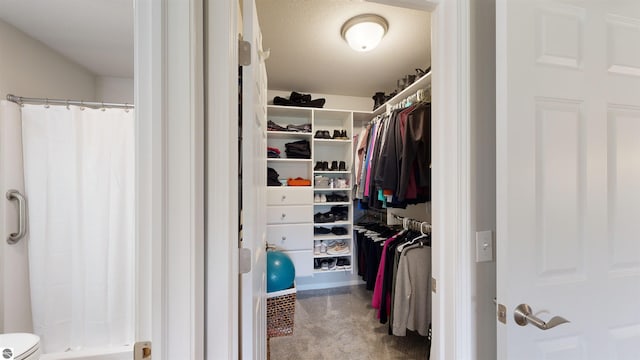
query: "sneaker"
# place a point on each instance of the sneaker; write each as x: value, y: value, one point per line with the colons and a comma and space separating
x: 338, y: 248
x: 317, y: 264
x: 340, y: 263
x: 323, y: 198
x: 347, y: 263
x: 332, y: 264
x: 323, y: 247
x: 316, y: 198
x: 316, y: 248
x: 324, y: 265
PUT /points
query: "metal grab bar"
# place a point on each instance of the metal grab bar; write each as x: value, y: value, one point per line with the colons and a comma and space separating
x: 13, y: 238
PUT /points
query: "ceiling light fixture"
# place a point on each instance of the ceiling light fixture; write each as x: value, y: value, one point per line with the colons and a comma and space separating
x: 364, y: 32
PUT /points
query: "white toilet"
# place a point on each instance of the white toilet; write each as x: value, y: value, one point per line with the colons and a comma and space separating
x: 25, y: 346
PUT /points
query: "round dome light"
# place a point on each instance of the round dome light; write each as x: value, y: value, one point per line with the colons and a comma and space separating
x: 364, y: 32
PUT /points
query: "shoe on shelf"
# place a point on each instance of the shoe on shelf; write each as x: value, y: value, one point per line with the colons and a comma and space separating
x: 323, y: 247
x: 319, y: 166
x: 323, y: 198
x: 316, y: 248
x: 339, y: 230
x: 337, y: 134
x: 344, y: 135
x: 342, y: 166
x: 332, y: 264
x: 340, y: 264
x: 334, y: 166
x: 321, y: 230
x: 338, y: 248
x: 316, y: 198
x: 317, y: 264
x: 324, y: 265
x: 324, y: 217
x: 319, y: 134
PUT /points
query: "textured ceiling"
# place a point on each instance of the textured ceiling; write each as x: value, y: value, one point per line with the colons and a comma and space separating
x: 307, y: 51
x: 97, y: 34
x: 309, y: 55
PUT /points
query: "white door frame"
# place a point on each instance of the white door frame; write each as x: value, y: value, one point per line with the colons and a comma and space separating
x: 169, y: 102
x: 170, y: 177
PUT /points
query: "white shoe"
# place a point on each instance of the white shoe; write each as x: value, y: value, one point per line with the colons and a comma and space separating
x: 323, y: 198
x: 316, y: 198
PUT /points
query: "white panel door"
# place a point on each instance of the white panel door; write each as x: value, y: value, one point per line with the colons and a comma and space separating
x: 568, y: 132
x: 254, y: 178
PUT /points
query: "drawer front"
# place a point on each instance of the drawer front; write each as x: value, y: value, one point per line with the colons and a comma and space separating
x: 289, y: 195
x: 303, y: 261
x: 289, y: 214
x: 291, y: 236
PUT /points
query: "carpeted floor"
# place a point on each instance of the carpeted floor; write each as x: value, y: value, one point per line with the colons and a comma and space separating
x: 340, y: 323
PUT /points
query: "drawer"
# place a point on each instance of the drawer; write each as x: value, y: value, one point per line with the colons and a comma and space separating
x: 291, y: 236
x: 289, y: 214
x: 303, y: 261
x: 289, y: 195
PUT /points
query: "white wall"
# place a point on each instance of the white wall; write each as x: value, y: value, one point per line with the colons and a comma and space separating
x: 483, y: 169
x: 31, y: 69
x: 27, y: 68
x: 114, y: 89
x: 338, y: 102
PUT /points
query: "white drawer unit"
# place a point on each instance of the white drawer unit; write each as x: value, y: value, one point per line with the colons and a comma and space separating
x: 303, y: 261
x: 289, y: 195
x: 290, y: 236
x: 289, y: 214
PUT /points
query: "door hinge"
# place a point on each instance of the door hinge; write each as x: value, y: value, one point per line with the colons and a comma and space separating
x: 502, y: 313
x: 244, y: 52
x: 244, y: 260
x: 433, y: 285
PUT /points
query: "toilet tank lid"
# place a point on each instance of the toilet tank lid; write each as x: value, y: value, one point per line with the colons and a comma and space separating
x: 20, y: 342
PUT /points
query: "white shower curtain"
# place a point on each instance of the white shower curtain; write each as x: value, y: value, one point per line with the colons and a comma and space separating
x: 79, y: 183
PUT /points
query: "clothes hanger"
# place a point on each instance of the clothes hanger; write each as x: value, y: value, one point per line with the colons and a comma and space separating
x: 422, y: 235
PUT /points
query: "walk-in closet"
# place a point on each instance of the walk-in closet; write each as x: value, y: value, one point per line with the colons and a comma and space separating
x: 348, y: 157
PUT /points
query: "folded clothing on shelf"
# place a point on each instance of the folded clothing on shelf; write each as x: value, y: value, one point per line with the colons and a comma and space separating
x: 272, y: 177
x: 298, y: 182
x: 300, y: 149
x: 302, y: 128
x: 273, y: 152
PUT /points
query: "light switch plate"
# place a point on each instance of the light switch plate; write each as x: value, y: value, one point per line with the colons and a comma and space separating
x: 484, y: 246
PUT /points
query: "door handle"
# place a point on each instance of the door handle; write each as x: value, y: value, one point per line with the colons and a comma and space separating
x: 13, y: 238
x: 523, y: 315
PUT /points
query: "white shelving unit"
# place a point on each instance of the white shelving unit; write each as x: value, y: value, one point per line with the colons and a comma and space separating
x: 286, y: 204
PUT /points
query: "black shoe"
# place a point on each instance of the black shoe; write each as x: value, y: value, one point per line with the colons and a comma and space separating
x: 342, y: 166
x: 344, y: 135
x: 319, y: 134
x: 325, y: 166
x: 337, y: 134
x: 321, y: 230
x: 319, y: 166
x: 334, y: 166
x: 339, y: 230
x: 324, y: 218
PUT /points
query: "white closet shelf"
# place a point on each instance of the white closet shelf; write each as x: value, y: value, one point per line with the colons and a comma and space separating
x: 333, y: 141
x: 319, y: 271
x: 329, y: 203
x: 287, y: 160
x: 337, y: 223
x: 421, y: 83
x: 332, y: 237
x: 332, y: 189
x: 288, y: 134
x: 331, y: 172
x: 324, y: 256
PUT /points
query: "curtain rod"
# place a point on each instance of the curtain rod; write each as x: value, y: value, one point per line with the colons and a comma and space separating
x: 90, y: 104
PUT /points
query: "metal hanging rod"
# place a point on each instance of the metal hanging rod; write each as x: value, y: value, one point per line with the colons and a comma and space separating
x: 90, y: 104
x: 411, y: 224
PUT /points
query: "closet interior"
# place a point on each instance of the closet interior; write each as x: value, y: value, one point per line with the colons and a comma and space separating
x: 349, y: 184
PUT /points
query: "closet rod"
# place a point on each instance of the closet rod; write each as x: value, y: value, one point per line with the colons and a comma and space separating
x: 90, y: 104
x: 415, y: 224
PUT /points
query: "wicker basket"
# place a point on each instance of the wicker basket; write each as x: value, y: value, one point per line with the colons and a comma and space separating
x: 281, y: 306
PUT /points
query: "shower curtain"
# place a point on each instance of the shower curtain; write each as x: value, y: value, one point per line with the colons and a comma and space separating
x: 79, y: 183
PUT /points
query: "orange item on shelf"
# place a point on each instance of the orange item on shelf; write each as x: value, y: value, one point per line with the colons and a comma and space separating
x: 298, y: 182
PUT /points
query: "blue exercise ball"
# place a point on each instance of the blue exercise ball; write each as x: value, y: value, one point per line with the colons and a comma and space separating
x: 280, y: 271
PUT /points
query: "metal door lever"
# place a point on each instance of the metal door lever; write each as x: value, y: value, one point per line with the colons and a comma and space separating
x: 523, y: 315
